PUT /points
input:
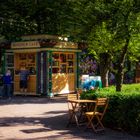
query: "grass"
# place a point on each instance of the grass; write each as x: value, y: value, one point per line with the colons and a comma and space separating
x: 126, y: 89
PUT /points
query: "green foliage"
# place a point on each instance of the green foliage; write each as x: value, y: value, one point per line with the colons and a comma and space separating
x: 101, y: 40
x: 109, y: 27
x: 123, y: 112
x: 19, y: 17
x: 115, y: 34
x: 90, y: 94
x: 124, y: 107
x: 122, y: 23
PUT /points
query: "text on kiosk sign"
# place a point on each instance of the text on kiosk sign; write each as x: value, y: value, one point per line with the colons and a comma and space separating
x: 27, y: 44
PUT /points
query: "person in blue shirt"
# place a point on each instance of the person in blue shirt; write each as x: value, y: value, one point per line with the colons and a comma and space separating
x: 24, y: 74
x: 7, y: 81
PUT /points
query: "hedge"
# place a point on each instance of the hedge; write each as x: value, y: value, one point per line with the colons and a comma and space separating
x: 124, y: 107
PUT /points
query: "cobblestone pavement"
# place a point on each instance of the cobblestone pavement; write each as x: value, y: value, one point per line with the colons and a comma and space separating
x: 38, y: 118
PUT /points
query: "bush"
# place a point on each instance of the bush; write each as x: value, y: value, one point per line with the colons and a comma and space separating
x: 90, y: 94
x: 124, y: 107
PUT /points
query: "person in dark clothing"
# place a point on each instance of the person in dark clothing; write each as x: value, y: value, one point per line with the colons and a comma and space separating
x: 24, y: 73
x: 7, y: 81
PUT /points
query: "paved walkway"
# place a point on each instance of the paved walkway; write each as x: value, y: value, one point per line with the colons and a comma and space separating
x: 36, y: 118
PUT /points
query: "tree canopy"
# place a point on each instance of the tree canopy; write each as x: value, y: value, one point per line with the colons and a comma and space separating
x: 111, y: 28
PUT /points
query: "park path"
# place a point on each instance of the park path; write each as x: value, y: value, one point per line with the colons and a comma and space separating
x: 38, y: 118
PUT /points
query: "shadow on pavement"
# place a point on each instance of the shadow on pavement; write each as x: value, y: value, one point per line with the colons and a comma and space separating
x: 55, y: 124
x: 33, y: 100
x: 50, y: 124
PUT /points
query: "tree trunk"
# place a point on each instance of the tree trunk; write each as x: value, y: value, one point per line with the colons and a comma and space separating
x: 120, y: 67
x: 119, y: 77
x: 105, y: 63
x: 104, y: 77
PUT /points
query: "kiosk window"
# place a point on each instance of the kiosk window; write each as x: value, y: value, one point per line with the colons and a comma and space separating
x: 63, y: 62
x: 26, y: 59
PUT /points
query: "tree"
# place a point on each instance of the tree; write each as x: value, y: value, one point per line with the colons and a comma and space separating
x: 110, y: 35
x: 102, y: 45
x: 88, y: 18
x: 124, y: 22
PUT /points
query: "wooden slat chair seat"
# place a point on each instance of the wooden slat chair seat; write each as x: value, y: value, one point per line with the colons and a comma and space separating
x: 97, y: 114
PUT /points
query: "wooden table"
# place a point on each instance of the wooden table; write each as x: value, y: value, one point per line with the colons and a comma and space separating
x: 74, y: 104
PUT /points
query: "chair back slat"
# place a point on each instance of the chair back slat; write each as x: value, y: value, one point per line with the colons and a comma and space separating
x: 101, y: 101
x: 72, y: 96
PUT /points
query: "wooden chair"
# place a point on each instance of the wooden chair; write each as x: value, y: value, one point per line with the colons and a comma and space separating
x: 72, y: 96
x: 97, y: 114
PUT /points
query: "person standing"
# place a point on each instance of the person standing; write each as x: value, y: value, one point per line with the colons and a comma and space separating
x: 7, y: 81
x: 24, y: 74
